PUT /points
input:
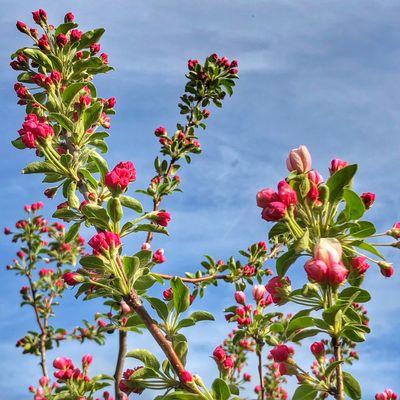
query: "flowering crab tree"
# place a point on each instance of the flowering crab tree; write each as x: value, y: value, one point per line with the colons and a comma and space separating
x: 42, y: 246
x: 66, y: 125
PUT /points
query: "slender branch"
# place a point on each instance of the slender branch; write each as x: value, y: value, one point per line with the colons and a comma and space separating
x: 274, y: 251
x: 119, y: 368
x: 157, y: 202
x: 43, y: 333
x: 134, y: 301
x: 337, y: 351
x: 195, y: 280
x: 260, y: 372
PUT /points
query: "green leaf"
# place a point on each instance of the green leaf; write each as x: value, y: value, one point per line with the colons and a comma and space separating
x: 370, y: 248
x: 96, y: 215
x: 351, y: 386
x: 181, y: 295
x: 114, y: 209
x: 354, y: 335
x: 160, y: 307
x: 355, y: 207
x: 18, y: 144
x: 40, y: 58
x: 145, y: 257
x: 101, y: 164
x: 132, y: 203
x: 65, y: 214
x: 302, y: 244
x: 64, y: 121
x: 91, y: 262
x: 64, y: 28
x: 72, y: 232
x: 299, y: 323
x: 363, y: 229
x: 150, y: 228
x: 131, y: 266
x: 305, y: 333
x: 339, y: 180
x: 220, y: 389
x: 71, y: 91
x: 279, y: 228
x: 91, y: 115
x: 362, y: 297
x: 37, y: 167
x: 285, y: 261
x: 305, y: 392
x: 201, y: 316
x: 73, y: 199
x: 90, y: 37
x: 331, y: 367
x: 147, y: 358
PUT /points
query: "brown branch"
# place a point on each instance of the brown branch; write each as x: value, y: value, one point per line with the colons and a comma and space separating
x: 134, y: 301
x: 337, y: 351
x: 260, y: 372
x: 119, y: 368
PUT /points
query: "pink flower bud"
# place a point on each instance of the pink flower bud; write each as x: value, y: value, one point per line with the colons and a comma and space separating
x: 299, y: 160
x: 71, y: 278
x: 75, y: 35
x: 44, y: 381
x: 336, y: 165
x: 318, y: 349
x: 125, y: 309
x: 87, y: 360
x: 146, y: 246
x: 22, y: 27
x: 61, y: 40
x: 315, y: 177
x: 158, y: 256
x: 240, y: 297
x: 386, y: 268
x: 337, y: 274
x: 266, y: 196
x: 219, y: 354
x: 279, y: 288
x: 317, y: 271
x: 228, y: 363
x: 186, y: 377
x: 168, y: 294
x: 287, y: 194
x: 162, y: 218
x: 328, y: 250
x: 121, y: 176
x: 259, y: 292
x: 281, y: 353
x: 274, y: 212
x: 368, y: 199
x: 103, y: 241
x: 247, y: 377
x: 360, y: 264
x: 69, y: 17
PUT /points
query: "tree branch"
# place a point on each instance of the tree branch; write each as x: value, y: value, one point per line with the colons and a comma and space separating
x: 119, y: 368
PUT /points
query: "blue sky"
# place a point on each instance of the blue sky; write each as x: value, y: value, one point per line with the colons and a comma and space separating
x: 324, y: 74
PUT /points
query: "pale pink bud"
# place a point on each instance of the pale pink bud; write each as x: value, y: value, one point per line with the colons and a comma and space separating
x: 259, y: 292
x: 240, y: 297
x: 299, y: 160
x: 328, y: 250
